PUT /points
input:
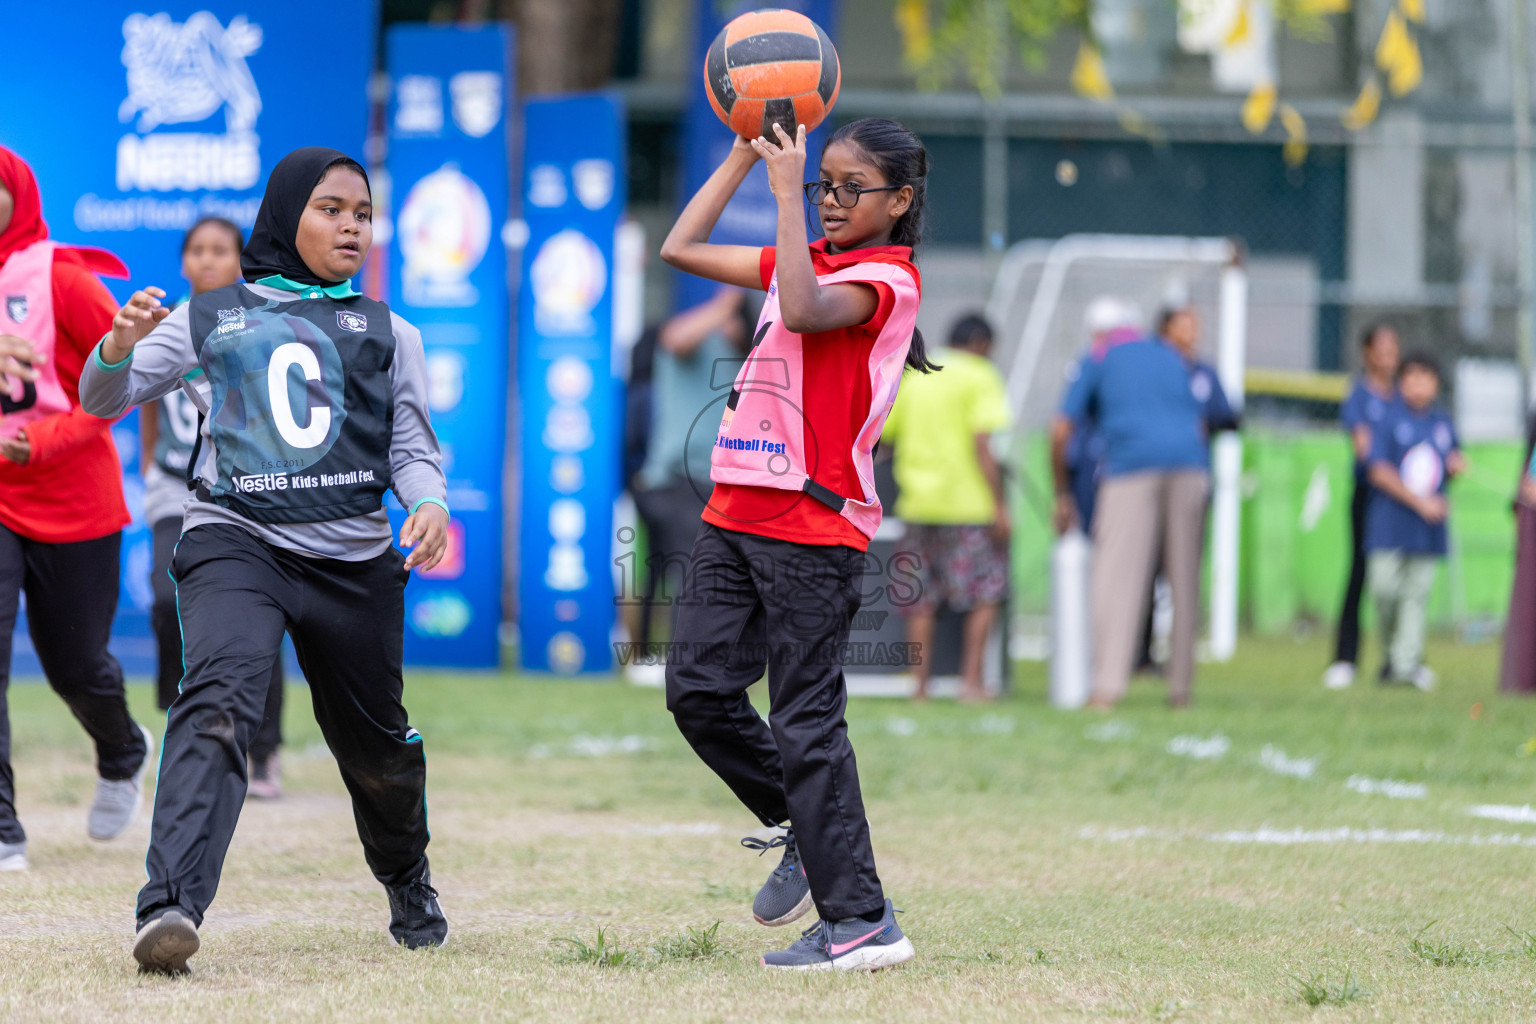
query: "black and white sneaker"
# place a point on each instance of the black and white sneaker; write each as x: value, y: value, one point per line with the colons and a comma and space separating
x: 165, y: 943
x: 786, y: 896
x: 416, y: 920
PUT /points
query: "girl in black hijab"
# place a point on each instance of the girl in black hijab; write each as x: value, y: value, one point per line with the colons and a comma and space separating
x: 313, y: 404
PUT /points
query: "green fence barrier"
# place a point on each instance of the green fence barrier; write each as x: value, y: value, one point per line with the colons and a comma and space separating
x: 1295, y: 532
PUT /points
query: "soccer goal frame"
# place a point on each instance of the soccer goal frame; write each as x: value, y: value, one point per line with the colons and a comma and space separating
x: 1048, y: 266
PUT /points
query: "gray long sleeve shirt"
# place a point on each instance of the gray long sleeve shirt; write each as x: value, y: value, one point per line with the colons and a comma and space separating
x: 160, y: 363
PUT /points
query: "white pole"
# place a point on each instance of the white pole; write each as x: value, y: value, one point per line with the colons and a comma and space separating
x: 1525, y: 245
x: 1228, y: 464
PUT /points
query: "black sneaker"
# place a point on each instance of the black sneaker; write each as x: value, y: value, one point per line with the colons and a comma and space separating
x: 165, y: 943
x: 786, y: 896
x: 415, y: 919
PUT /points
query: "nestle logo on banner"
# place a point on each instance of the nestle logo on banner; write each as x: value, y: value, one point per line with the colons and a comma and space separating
x: 183, y: 73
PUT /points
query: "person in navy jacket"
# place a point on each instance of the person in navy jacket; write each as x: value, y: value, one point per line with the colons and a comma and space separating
x: 1374, y: 391
x: 1414, y: 455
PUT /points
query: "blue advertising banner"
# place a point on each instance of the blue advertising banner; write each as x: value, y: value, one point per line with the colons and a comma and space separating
x: 750, y: 218
x: 573, y: 199
x: 449, y: 181
x: 140, y: 119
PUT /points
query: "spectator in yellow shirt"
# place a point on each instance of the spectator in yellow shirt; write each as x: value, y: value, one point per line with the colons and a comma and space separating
x: 951, y: 496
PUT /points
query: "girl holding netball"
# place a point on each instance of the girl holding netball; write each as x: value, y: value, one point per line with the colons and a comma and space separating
x: 313, y: 403
x: 774, y: 580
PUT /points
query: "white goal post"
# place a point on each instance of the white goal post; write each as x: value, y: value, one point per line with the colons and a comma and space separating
x: 1036, y: 303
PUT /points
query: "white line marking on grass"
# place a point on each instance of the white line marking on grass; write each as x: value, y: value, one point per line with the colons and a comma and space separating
x: 1202, y: 749
x: 1120, y: 835
x: 704, y: 828
x: 594, y: 746
x: 901, y: 726
x: 1266, y: 836
x: 1504, y: 812
x: 1107, y: 732
x: 1397, y: 789
x: 1277, y: 761
x: 997, y: 725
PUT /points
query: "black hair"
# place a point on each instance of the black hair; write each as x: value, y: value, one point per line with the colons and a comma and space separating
x: 1372, y: 330
x: 218, y: 222
x: 970, y: 330
x: 1167, y: 315
x: 901, y: 158
x: 1419, y: 361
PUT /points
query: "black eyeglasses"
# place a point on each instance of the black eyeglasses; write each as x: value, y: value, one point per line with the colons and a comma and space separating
x: 847, y: 196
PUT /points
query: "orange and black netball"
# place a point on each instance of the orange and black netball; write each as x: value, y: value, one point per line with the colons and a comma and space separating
x: 771, y: 67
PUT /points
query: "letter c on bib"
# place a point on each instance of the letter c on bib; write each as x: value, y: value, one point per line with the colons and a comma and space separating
x: 295, y: 354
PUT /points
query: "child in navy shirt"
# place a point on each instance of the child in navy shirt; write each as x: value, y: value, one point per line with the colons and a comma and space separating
x: 1414, y: 453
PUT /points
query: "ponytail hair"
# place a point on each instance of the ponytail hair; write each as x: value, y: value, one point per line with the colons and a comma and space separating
x: 902, y: 159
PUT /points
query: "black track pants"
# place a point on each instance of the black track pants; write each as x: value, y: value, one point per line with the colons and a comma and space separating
x: 749, y: 601
x: 1348, y: 646
x: 167, y: 626
x: 71, y: 597
x: 237, y: 596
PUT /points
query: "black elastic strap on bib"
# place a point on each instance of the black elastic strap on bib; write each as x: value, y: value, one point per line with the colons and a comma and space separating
x: 826, y: 495
x: 197, y: 448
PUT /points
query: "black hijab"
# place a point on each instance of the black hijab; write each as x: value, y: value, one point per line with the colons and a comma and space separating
x: 271, y: 248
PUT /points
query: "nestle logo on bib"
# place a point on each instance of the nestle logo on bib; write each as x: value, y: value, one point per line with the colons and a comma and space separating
x: 231, y: 320
x: 354, y: 322
x: 16, y: 308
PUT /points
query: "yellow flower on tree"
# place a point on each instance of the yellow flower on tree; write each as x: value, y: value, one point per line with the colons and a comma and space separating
x: 1365, y: 108
x: 1295, y: 151
x: 1398, y: 55
x: 1088, y: 75
x: 1259, y: 107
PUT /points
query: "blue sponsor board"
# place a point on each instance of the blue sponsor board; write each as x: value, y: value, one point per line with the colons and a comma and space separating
x: 450, y: 101
x: 139, y: 119
x: 573, y: 199
x: 751, y: 217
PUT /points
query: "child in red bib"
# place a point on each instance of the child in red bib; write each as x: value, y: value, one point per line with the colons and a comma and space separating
x: 774, y: 580
x: 61, y: 502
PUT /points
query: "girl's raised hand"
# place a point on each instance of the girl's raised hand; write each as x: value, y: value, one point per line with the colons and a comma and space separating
x: 135, y: 320
x: 786, y: 161
x: 743, y: 146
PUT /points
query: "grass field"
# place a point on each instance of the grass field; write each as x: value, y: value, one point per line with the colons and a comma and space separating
x: 1274, y: 845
